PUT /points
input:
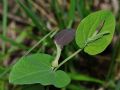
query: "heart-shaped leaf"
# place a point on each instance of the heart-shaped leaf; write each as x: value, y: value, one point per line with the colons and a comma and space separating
x: 36, y: 68
x: 99, y: 28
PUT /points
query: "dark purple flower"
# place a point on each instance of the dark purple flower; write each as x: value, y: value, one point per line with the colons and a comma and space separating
x: 64, y: 37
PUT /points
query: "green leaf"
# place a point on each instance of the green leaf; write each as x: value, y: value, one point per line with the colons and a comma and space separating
x: 61, y: 79
x: 81, y: 77
x: 91, y: 27
x: 37, y: 68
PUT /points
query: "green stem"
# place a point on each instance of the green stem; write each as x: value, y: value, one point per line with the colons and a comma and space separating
x: 68, y: 58
x: 54, y: 33
x: 55, y: 61
x: 38, y: 43
x: 5, y: 9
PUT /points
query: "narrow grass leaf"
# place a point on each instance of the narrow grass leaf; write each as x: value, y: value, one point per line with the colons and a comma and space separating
x: 81, y: 77
x: 58, y: 13
x: 71, y: 13
x: 32, y: 15
x: 5, y: 9
x: 81, y: 8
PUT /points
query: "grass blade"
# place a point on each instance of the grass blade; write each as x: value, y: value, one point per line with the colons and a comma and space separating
x: 5, y: 9
x: 38, y: 43
x: 81, y: 77
x: 32, y: 15
x: 58, y: 13
x: 71, y: 12
x: 81, y: 7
